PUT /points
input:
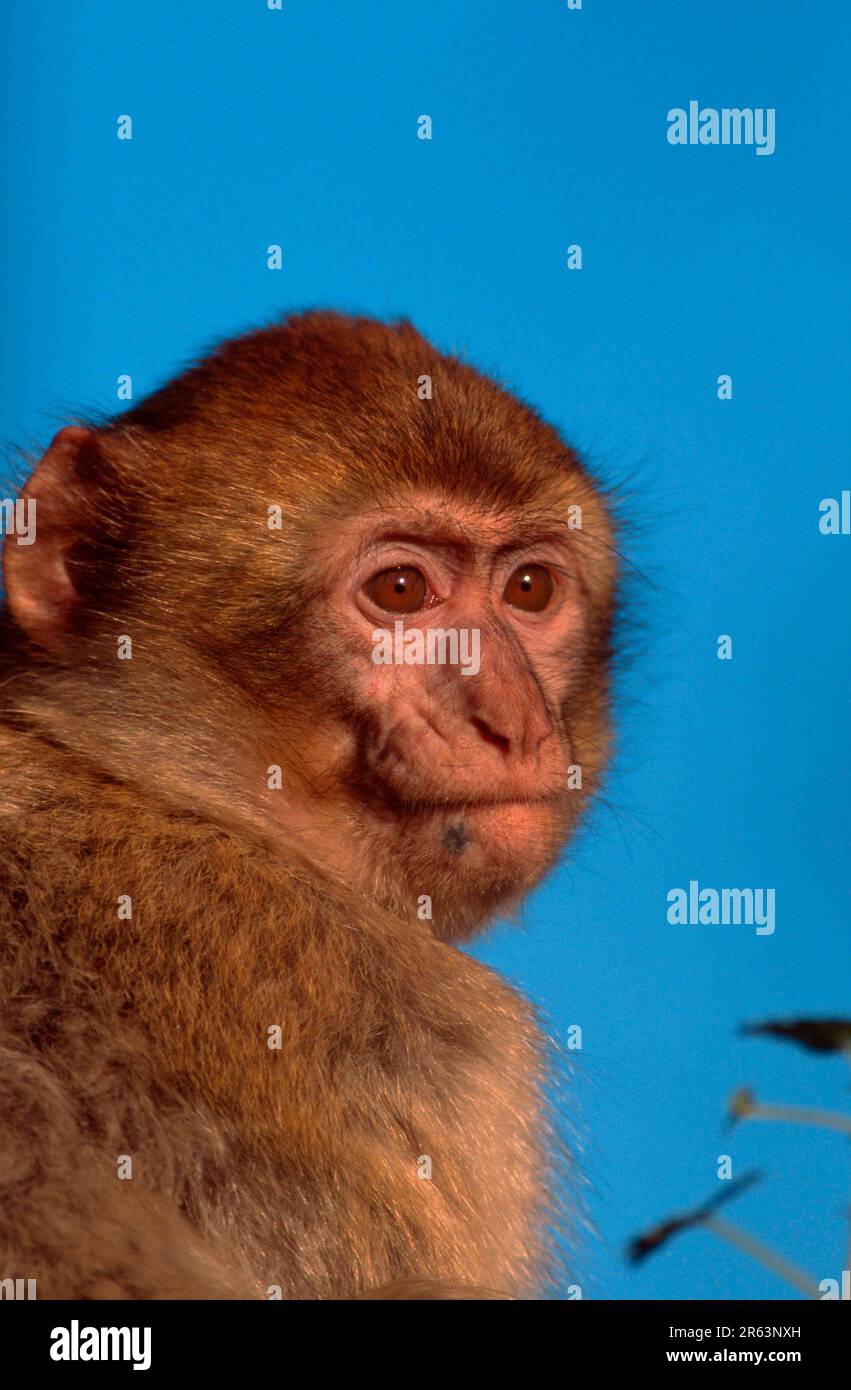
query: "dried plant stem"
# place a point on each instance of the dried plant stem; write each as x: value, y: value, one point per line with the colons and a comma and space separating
x: 799, y: 1115
x: 763, y: 1254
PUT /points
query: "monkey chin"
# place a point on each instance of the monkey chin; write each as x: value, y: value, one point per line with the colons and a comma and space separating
x: 482, y: 858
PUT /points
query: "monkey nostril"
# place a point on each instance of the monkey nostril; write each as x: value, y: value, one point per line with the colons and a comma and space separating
x: 490, y: 736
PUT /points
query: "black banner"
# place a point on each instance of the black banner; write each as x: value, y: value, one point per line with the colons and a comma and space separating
x: 165, y: 1339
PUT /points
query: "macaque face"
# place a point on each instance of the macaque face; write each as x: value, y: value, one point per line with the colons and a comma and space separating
x: 420, y: 650
x: 455, y: 639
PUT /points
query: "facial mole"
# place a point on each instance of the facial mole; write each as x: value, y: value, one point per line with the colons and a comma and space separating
x: 457, y: 838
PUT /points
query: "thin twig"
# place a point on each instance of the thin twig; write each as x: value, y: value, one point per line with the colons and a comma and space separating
x: 763, y: 1254
x: 798, y: 1115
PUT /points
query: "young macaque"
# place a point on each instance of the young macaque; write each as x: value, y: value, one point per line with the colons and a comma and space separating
x: 252, y: 796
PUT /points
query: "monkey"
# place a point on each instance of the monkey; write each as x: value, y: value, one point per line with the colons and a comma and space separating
x: 244, y: 1054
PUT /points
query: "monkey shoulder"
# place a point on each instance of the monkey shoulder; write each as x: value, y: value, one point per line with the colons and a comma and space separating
x: 233, y: 1020
x: 102, y: 881
x: 183, y: 948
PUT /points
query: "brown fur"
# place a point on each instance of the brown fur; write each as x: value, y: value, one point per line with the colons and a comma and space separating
x: 254, y: 1166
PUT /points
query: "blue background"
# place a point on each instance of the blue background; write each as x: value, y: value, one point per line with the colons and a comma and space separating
x: 299, y: 127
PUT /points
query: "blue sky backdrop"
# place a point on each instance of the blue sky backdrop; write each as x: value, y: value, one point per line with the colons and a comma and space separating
x: 299, y: 127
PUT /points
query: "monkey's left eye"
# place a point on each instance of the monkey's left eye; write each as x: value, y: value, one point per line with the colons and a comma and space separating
x: 400, y: 590
x: 530, y: 587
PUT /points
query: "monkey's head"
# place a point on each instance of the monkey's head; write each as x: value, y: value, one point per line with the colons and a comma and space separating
x: 369, y: 598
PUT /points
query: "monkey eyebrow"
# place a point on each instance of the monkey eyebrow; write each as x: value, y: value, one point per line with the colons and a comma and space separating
x: 421, y: 536
x: 426, y: 528
x: 530, y: 537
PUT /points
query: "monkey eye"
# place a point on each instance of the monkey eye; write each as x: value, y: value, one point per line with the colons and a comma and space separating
x: 530, y: 587
x: 400, y: 590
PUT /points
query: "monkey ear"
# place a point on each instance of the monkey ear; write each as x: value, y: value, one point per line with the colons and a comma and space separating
x: 40, y: 591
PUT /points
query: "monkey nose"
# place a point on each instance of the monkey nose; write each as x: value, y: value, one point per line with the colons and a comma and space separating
x: 491, y: 735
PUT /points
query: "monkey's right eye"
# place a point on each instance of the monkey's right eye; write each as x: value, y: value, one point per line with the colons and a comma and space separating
x: 401, y: 590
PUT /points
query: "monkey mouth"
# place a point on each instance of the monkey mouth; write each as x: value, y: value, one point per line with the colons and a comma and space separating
x: 466, y: 824
x: 469, y: 828
x: 395, y: 804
